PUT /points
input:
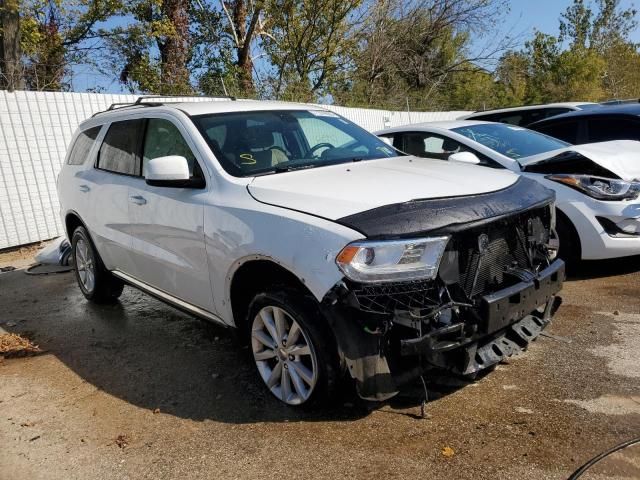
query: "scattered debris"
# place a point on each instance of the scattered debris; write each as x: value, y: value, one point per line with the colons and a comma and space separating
x: 34, y: 438
x: 11, y: 324
x: 7, y: 269
x: 156, y: 410
x: 215, y: 375
x: 448, y: 452
x: 122, y: 441
x: 13, y: 345
x: 555, y: 337
x: 27, y: 424
x: 524, y: 410
x: 57, y: 252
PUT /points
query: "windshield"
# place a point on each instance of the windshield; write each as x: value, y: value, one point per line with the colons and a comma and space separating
x: 262, y: 142
x: 510, y: 140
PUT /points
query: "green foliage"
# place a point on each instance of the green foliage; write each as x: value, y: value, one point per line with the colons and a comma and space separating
x: 396, y: 54
x: 152, y: 53
x: 52, y: 33
x: 309, y: 45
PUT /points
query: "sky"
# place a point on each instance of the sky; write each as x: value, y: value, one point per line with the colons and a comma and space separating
x: 528, y: 15
x: 524, y: 17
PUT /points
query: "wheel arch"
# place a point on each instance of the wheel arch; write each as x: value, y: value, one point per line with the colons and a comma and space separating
x: 575, y: 236
x: 252, y: 275
x: 72, y: 221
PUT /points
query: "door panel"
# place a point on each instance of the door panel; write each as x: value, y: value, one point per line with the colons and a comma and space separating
x: 167, y: 224
x: 106, y: 187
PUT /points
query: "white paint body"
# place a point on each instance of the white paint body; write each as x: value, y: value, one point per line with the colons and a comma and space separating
x: 621, y: 157
x: 189, y: 242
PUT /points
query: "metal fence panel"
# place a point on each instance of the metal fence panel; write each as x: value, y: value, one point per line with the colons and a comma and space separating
x: 36, y: 128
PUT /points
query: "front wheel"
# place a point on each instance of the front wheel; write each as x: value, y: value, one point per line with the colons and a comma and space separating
x: 569, y: 241
x: 293, y: 348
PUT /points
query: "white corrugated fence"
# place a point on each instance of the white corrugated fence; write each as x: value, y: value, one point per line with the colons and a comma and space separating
x: 35, y: 129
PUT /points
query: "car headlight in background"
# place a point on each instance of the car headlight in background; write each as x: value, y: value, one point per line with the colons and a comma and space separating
x: 392, y: 260
x: 599, y: 187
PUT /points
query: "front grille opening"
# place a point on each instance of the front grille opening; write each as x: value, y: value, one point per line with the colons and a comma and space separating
x: 486, y: 254
x: 389, y: 297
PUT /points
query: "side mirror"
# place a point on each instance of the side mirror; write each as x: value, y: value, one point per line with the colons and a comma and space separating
x: 464, y: 157
x: 170, y: 171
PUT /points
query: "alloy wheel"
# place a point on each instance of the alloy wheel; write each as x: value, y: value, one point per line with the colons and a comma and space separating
x: 85, y: 265
x: 284, y: 356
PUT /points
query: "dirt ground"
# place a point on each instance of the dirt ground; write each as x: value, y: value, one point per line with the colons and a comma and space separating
x: 139, y: 390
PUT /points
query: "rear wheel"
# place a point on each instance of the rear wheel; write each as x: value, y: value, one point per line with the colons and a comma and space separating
x: 294, y: 351
x: 95, y: 281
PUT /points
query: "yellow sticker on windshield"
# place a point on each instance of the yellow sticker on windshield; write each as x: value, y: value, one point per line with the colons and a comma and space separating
x: 248, y: 159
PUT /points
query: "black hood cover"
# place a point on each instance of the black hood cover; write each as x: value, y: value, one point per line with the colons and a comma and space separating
x: 450, y: 214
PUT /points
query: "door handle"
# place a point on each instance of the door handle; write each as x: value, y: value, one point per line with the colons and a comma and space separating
x: 139, y: 200
x: 84, y: 188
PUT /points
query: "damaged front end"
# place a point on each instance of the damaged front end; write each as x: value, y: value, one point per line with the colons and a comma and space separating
x: 493, y: 293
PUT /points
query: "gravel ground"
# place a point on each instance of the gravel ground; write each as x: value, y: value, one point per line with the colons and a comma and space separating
x: 139, y: 390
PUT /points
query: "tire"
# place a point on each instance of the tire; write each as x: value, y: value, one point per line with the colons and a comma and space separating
x: 95, y: 281
x: 317, y: 382
x: 570, y: 250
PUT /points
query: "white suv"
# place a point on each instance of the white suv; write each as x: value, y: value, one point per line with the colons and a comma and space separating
x: 330, y: 250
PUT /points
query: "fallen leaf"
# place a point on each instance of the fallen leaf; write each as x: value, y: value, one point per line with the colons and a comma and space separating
x: 448, y: 452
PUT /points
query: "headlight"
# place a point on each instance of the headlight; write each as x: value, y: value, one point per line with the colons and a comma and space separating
x: 599, y: 187
x: 393, y: 260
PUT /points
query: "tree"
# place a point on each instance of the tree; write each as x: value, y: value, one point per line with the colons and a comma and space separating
x: 11, y: 77
x: 244, y: 25
x: 152, y: 53
x: 54, y: 36
x: 309, y: 45
x: 412, y: 50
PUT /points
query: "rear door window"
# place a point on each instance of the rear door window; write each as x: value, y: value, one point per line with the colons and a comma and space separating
x: 119, y: 152
x: 423, y: 144
x: 82, y: 146
x: 603, y: 129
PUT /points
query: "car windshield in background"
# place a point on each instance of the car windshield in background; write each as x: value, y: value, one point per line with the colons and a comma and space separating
x: 509, y: 140
x: 261, y: 142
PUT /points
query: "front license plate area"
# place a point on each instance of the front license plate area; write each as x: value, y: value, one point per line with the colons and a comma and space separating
x: 502, y: 308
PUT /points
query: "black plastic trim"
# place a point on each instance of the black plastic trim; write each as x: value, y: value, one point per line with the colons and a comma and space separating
x: 450, y: 214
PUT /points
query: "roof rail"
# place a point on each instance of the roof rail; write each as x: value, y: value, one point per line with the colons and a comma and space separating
x: 142, y: 101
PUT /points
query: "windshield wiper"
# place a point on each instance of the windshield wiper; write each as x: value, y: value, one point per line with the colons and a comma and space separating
x: 291, y: 168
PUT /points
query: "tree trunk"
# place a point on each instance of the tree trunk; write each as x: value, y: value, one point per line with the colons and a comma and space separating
x: 175, y: 49
x: 245, y: 63
x: 11, y: 75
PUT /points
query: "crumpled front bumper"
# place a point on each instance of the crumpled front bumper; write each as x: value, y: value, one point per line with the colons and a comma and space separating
x: 509, y: 320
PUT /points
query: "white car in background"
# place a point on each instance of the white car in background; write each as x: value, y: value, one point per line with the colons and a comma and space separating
x: 597, y: 185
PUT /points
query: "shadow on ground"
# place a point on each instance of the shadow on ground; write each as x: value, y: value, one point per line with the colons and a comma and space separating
x: 152, y: 356
x: 605, y: 268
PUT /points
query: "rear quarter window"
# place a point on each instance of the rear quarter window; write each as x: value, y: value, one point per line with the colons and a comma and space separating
x: 567, y: 131
x: 604, y: 129
x: 82, y: 146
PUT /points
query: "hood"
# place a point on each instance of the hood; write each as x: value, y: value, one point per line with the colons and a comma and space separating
x: 621, y: 157
x: 338, y: 191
